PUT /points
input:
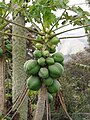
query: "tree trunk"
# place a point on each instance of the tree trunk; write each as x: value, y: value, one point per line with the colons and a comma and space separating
x: 2, y: 85
x: 41, y: 104
x: 19, y: 57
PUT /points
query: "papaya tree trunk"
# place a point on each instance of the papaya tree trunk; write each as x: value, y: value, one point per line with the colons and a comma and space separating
x: 2, y: 80
x: 41, y: 104
x: 19, y: 58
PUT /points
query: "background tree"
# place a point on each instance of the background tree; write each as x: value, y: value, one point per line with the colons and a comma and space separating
x: 19, y: 57
x: 2, y: 58
x: 2, y: 79
x: 87, y: 1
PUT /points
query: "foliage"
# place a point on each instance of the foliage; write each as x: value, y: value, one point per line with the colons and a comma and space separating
x: 77, y: 84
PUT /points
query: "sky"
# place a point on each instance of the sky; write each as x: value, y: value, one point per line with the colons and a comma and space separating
x: 72, y: 46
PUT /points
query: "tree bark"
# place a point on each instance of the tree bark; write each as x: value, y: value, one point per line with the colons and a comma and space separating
x: 41, y: 104
x: 19, y: 58
x: 2, y: 85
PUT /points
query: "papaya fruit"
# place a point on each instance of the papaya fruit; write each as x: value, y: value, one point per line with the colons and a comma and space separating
x: 55, y: 87
x: 60, y: 67
x: 9, y: 47
x: 45, y: 53
x: 50, y: 98
x: 39, y: 38
x: 56, y: 70
x: 52, y: 48
x: 41, y: 61
x: 31, y: 67
x: 8, y: 54
x: 49, y: 60
x: 43, y: 73
x: 1, y: 52
x: 54, y: 40
x: 48, y: 81
x: 37, y: 53
x: 34, y: 83
x: 62, y: 63
x: 38, y: 46
x: 58, y: 57
x: 7, y: 42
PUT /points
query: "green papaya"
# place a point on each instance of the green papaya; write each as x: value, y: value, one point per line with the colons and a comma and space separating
x: 31, y: 67
x: 43, y: 73
x: 62, y: 63
x: 58, y: 57
x: 41, y: 61
x: 8, y: 54
x: 34, y: 83
x: 37, y: 53
x: 45, y: 53
x: 55, y: 87
x: 7, y: 42
x: 9, y: 47
x: 54, y: 40
x: 50, y: 61
x: 51, y: 48
x: 38, y: 46
x: 39, y: 38
x: 1, y: 52
x: 50, y: 98
x: 48, y: 81
x: 56, y: 70
x: 60, y: 67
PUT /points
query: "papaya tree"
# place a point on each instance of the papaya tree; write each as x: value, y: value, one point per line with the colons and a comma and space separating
x: 42, y: 12
x: 47, y: 66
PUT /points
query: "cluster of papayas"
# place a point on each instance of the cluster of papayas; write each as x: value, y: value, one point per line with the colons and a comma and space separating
x: 8, y: 47
x: 45, y: 68
x: 49, y: 42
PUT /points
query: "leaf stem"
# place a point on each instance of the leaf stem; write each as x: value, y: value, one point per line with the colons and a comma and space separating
x: 70, y: 30
x: 74, y: 36
x: 17, y: 36
x: 31, y: 30
x: 60, y: 27
x: 56, y: 21
x: 33, y: 23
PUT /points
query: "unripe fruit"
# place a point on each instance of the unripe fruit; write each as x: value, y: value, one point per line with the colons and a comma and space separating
x: 41, y: 61
x: 45, y: 53
x: 37, y: 53
x: 39, y: 46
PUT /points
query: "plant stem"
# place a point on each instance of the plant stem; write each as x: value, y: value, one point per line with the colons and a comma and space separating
x: 31, y: 30
x: 56, y: 21
x: 17, y: 36
x: 22, y: 100
x: 17, y: 101
x: 33, y: 23
x: 60, y: 27
x: 69, y: 30
x: 74, y: 36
